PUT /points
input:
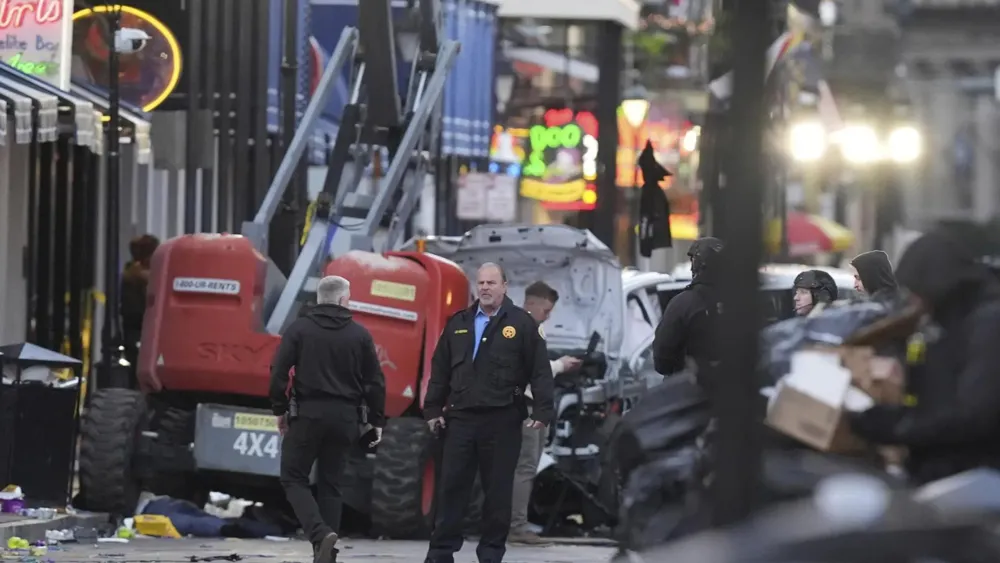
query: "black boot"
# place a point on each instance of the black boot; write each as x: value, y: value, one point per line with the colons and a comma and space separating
x: 326, y: 551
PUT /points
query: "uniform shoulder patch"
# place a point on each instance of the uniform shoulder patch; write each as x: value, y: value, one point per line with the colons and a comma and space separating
x: 541, y: 332
x: 508, y: 332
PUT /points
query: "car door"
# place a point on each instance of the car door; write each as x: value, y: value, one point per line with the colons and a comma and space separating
x: 641, y: 363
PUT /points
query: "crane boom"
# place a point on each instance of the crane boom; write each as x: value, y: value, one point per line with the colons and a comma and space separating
x: 373, y: 121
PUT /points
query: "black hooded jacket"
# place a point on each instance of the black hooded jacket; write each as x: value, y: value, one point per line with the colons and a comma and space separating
x: 875, y: 272
x: 687, y: 329
x: 335, y: 365
x: 955, y: 425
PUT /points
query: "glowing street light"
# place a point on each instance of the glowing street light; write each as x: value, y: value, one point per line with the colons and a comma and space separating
x: 860, y: 144
x: 635, y: 106
x: 905, y: 144
x: 807, y: 141
x: 689, y: 143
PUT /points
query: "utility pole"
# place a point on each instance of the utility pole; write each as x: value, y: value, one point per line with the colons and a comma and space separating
x: 111, y: 331
x: 286, y: 230
x: 739, y: 436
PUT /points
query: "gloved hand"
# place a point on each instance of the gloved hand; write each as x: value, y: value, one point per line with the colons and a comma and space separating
x: 878, y: 424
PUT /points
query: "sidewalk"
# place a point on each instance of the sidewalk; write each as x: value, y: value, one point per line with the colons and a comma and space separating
x: 34, y: 530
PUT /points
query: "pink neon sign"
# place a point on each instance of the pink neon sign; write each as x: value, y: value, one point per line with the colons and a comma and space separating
x: 14, y: 14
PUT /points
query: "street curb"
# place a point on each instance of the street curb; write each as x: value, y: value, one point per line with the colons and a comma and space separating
x: 34, y: 530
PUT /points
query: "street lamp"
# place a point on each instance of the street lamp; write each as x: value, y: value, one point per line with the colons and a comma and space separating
x: 860, y: 144
x: 689, y: 143
x: 905, y: 144
x: 807, y: 141
x: 635, y: 106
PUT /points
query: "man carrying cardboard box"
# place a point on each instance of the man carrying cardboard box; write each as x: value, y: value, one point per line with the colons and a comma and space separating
x: 955, y: 424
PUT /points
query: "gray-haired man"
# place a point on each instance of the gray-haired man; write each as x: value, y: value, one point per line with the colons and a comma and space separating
x: 336, y: 372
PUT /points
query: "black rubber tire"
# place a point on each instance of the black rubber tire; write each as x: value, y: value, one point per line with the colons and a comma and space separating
x: 398, y: 480
x: 109, y: 431
x: 174, y: 427
x: 609, y: 483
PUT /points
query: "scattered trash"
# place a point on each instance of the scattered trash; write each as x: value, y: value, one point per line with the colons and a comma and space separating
x: 230, y: 557
x: 276, y: 538
x: 155, y: 525
x: 127, y: 529
x: 112, y: 540
x: 15, y: 542
x: 59, y: 535
x: 38, y: 550
x: 85, y: 534
x: 12, y: 492
x: 38, y: 513
x: 11, y: 499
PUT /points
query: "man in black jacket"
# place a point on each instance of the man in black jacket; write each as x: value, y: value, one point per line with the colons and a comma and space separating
x: 873, y: 275
x: 955, y: 423
x: 687, y: 329
x: 336, y: 374
x: 486, y: 357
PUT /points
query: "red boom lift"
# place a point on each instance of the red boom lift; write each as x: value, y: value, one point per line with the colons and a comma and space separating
x: 216, y: 307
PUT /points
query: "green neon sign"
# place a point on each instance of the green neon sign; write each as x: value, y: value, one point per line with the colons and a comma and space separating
x: 544, y: 141
x: 33, y: 68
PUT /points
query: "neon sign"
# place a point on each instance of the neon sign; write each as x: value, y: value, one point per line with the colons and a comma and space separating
x: 560, y: 162
x: 147, y: 77
x: 35, y: 38
x: 28, y: 67
x: 13, y: 14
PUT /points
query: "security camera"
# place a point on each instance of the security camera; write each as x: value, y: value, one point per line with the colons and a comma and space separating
x: 129, y: 40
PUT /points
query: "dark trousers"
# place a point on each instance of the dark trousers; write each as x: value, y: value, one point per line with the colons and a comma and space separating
x: 488, y: 441
x: 326, y: 441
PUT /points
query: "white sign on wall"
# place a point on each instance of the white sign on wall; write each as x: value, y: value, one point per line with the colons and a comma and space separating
x: 36, y: 38
x: 501, y: 199
x: 487, y: 197
x: 470, y: 199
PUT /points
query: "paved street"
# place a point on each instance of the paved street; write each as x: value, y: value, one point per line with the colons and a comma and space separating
x: 262, y: 551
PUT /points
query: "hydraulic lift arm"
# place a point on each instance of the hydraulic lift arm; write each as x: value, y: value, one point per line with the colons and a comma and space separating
x: 372, y: 121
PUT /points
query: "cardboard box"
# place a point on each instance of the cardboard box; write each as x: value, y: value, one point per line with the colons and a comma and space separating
x: 809, y: 404
x: 881, y: 378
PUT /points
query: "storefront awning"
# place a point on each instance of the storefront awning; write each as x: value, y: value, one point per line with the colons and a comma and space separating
x: 21, y: 108
x: 555, y: 62
x: 51, y: 102
x: 138, y: 119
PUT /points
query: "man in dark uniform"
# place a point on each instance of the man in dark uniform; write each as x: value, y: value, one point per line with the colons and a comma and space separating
x: 687, y: 329
x: 336, y: 373
x: 488, y: 354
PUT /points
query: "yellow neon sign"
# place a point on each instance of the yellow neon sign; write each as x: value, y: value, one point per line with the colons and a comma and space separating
x: 172, y: 43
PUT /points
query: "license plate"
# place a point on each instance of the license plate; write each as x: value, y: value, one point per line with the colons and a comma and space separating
x: 237, y: 440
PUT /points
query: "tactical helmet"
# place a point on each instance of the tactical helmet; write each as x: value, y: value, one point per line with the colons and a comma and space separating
x: 702, y: 252
x: 820, y: 284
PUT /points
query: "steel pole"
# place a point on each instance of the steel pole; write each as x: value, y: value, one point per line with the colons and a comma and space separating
x: 111, y: 330
x: 736, y: 398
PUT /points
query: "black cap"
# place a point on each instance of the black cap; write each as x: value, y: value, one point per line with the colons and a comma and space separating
x: 652, y: 170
